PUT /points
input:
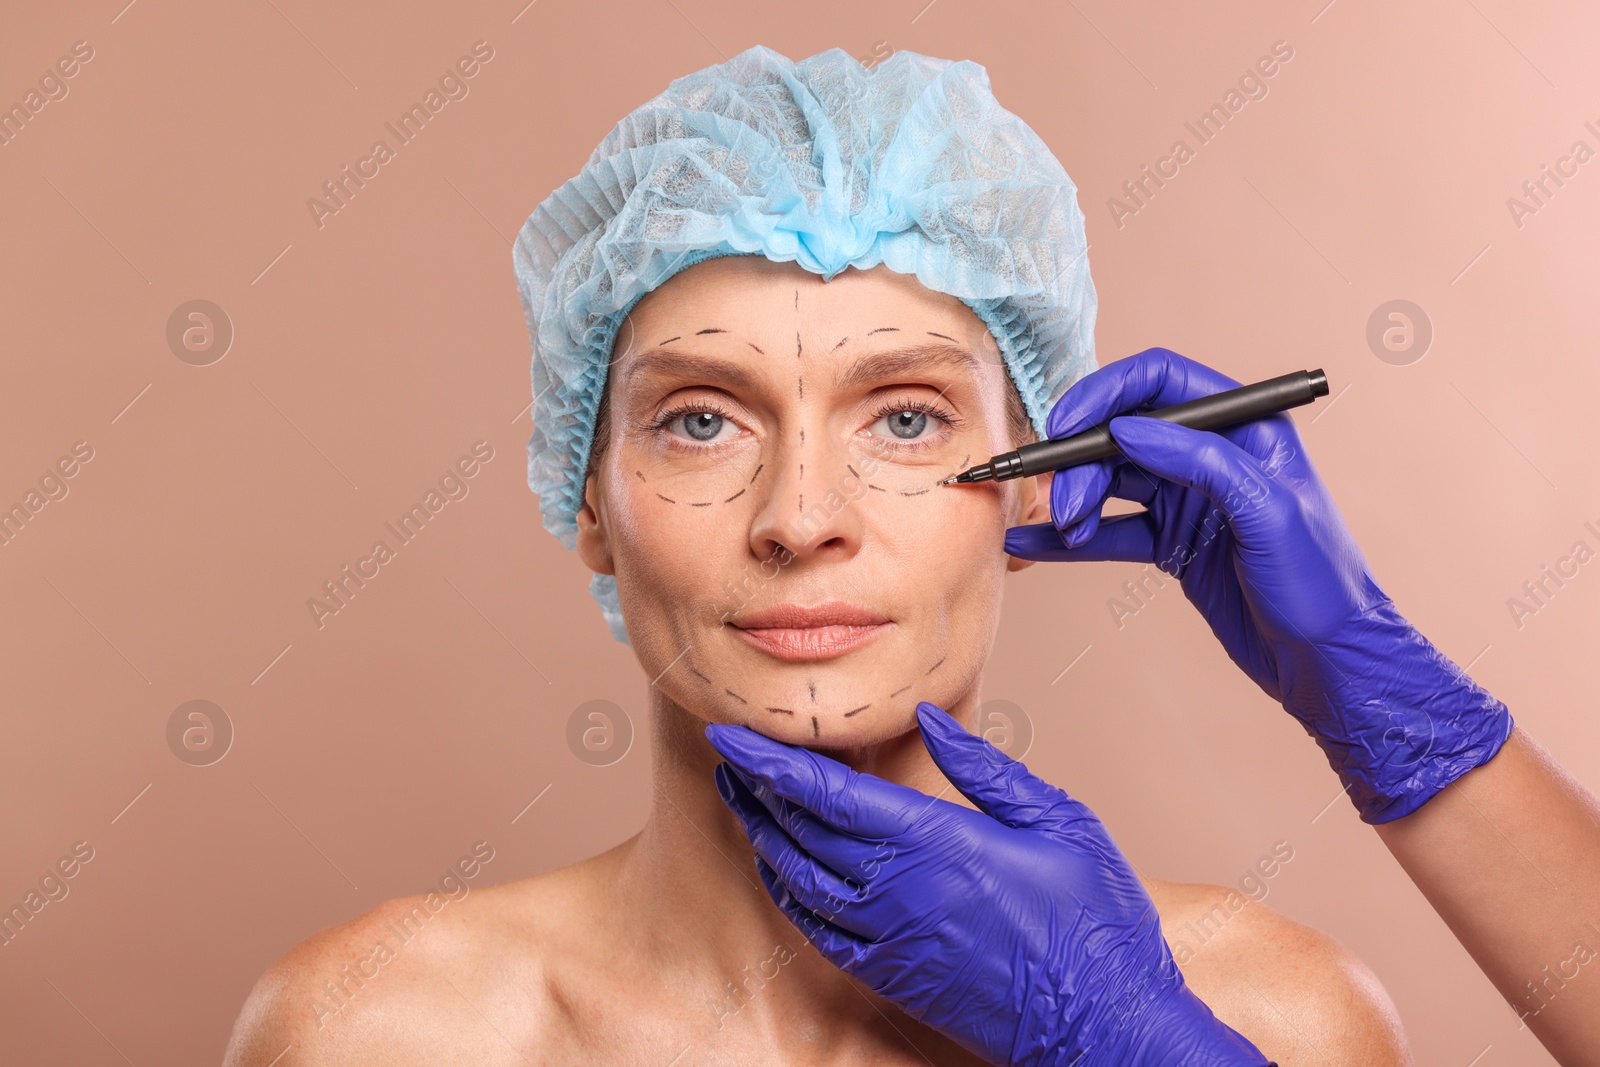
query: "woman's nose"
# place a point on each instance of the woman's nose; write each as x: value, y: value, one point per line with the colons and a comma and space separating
x: 808, y: 500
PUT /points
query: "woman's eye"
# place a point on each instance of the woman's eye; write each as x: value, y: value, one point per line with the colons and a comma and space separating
x: 906, y: 425
x: 702, y: 427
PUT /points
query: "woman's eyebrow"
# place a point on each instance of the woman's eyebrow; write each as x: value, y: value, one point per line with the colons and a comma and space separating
x: 905, y: 362
x: 688, y: 365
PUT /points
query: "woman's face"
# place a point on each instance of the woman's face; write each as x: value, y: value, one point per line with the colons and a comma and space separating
x: 774, y: 445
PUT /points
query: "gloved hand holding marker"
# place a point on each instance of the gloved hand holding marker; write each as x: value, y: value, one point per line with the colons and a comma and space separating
x: 1242, y: 520
x: 1226, y: 408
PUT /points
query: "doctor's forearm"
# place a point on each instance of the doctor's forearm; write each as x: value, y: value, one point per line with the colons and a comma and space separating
x: 1509, y: 855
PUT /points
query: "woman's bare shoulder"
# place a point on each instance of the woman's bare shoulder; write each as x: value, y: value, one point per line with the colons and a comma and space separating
x: 1299, y: 995
x: 425, y: 979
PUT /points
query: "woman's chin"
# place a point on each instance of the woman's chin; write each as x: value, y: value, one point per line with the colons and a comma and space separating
x: 821, y: 729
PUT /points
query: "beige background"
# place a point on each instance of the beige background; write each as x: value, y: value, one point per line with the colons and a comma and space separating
x: 369, y: 354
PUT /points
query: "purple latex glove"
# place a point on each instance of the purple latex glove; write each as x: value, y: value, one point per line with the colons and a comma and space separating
x: 1019, y: 930
x: 1241, y: 518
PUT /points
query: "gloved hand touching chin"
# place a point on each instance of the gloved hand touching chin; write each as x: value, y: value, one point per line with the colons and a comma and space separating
x: 1241, y: 518
x: 1019, y: 930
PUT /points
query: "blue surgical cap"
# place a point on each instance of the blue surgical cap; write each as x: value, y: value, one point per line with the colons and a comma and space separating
x: 912, y: 164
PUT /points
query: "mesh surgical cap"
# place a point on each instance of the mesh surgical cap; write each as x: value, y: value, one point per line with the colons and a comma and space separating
x: 912, y: 164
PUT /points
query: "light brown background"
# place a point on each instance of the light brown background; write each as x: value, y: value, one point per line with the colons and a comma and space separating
x: 371, y: 353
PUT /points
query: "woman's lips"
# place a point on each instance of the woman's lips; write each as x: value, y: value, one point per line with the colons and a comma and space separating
x: 792, y: 632
x: 811, y: 642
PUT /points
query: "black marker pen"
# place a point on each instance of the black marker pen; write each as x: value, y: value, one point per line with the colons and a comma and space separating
x: 1226, y: 408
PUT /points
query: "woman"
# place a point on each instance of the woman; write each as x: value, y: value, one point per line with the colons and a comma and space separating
x: 782, y: 303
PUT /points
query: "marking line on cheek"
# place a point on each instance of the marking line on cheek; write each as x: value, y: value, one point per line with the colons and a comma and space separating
x: 782, y: 711
x: 857, y: 711
x: 668, y: 499
x: 915, y: 492
x: 736, y: 696
x: 816, y: 731
x: 642, y: 478
x: 758, y: 471
x: 813, y: 687
x: 897, y: 692
x: 734, y: 497
x: 933, y: 668
x: 698, y: 675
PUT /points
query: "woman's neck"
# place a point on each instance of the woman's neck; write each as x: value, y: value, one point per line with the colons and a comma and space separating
x: 697, y: 905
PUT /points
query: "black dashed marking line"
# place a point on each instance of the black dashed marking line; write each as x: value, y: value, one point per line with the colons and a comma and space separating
x: 709, y: 329
x: 851, y: 469
x: 897, y: 692
x: 802, y: 506
x: 802, y: 383
x: 836, y: 347
x: 816, y: 731
x: 782, y: 711
x: 758, y: 471
x: 881, y: 329
x: 700, y: 676
x: 879, y: 488
x: 694, y: 504
x: 914, y: 492
x: 961, y: 467
x: 952, y: 340
x: 752, y: 345
x: 669, y: 340
x: 734, y: 497
x: 813, y: 687
x: 668, y: 499
x: 802, y: 470
x: 798, y: 348
x: 736, y: 696
x: 935, y: 667
x: 802, y: 435
x: 641, y: 475
x: 857, y: 711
